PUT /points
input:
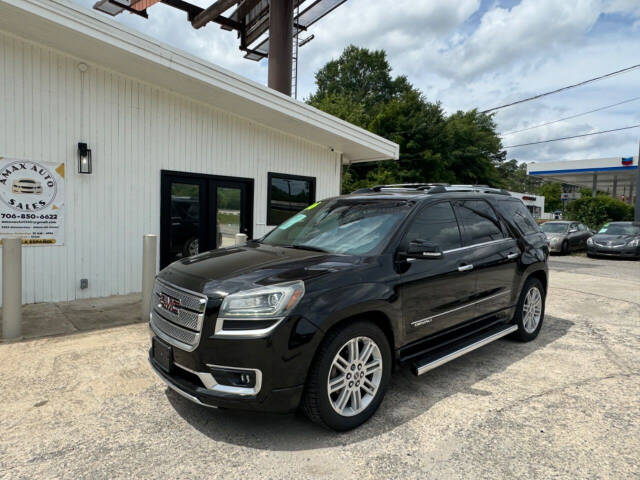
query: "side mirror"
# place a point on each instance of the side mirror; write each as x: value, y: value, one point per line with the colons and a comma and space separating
x: 419, y: 249
x: 573, y: 230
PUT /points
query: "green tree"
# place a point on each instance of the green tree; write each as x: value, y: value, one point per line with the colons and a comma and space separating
x: 552, y: 192
x: 462, y: 147
x: 595, y: 212
x: 513, y: 176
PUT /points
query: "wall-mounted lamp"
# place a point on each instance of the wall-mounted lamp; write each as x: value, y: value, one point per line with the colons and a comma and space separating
x: 84, y: 158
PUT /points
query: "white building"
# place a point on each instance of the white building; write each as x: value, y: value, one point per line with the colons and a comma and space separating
x: 179, y: 147
x: 535, y: 203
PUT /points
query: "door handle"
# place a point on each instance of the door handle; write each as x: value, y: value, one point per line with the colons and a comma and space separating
x: 465, y: 268
x: 513, y: 255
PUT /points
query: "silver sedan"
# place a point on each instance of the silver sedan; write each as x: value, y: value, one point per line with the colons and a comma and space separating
x: 563, y: 236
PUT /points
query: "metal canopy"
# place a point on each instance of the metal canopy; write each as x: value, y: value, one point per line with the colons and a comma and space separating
x: 618, y: 176
x: 621, y: 170
x: 307, y: 17
x: 250, y: 18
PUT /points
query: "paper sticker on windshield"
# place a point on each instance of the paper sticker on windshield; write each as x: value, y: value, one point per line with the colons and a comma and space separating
x: 292, y: 221
x: 313, y: 205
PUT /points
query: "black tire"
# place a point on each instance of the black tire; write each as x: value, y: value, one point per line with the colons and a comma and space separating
x: 522, y: 334
x: 316, y: 403
x: 565, y: 248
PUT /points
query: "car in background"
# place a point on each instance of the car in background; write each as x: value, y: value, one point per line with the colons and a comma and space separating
x: 564, y: 236
x: 616, y: 239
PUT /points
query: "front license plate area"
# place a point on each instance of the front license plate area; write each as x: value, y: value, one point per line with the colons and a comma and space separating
x: 162, y: 354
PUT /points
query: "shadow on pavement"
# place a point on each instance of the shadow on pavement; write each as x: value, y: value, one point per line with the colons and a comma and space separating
x: 407, y: 397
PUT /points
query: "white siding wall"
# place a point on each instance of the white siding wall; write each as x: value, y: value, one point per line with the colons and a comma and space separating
x: 134, y: 130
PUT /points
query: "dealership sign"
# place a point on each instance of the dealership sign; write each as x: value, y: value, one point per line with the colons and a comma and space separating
x: 32, y: 201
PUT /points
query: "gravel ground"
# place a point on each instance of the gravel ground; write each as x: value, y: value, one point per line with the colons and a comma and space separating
x: 563, y: 406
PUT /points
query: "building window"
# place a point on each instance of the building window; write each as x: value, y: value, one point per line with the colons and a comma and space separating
x: 287, y: 195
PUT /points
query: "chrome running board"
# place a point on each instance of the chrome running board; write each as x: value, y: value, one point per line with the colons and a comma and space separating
x: 436, y: 359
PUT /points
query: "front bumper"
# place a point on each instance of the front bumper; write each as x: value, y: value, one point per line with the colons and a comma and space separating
x: 606, y: 251
x: 187, y: 385
x: 555, y: 247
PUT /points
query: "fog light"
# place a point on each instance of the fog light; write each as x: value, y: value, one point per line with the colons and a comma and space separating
x: 234, y: 377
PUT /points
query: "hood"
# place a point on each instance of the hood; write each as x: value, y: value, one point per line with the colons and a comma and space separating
x: 603, y: 237
x: 228, y: 270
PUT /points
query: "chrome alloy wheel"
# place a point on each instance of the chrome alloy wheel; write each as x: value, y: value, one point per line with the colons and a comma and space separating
x: 354, y: 377
x: 193, y: 248
x: 532, y: 310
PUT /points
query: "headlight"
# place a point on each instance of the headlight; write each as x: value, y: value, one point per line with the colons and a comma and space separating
x: 264, y: 302
x: 633, y: 243
x: 555, y: 240
x: 589, y: 241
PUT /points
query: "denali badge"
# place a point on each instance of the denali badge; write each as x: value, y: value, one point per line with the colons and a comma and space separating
x: 169, y: 303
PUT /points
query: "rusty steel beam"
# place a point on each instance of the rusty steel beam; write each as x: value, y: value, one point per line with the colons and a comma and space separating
x: 211, y: 13
x: 141, y: 5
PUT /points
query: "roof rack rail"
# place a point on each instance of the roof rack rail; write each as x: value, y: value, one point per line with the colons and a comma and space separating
x: 434, y: 188
x: 400, y: 186
x: 471, y: 188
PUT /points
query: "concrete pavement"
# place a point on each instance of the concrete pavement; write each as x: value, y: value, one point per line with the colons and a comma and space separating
x: 563, y: 406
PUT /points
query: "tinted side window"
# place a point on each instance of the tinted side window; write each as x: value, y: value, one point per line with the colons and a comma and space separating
x: 436, y: 223
x: 518, y: 214
x: 479, y: 221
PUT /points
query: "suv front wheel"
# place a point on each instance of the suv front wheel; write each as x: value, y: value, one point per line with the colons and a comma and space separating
x: 349, y: 376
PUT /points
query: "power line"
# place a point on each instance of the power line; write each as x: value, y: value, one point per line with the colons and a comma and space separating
x: 569, y: 118
x: 591, y: 80
x: 574, y: 136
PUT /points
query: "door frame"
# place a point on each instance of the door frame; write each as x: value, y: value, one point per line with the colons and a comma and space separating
x: 208, y: 199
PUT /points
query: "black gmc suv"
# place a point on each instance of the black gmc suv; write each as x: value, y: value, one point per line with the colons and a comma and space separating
x: 318, y: 313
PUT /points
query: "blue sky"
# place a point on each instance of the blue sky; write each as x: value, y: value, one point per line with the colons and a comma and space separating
x: 471, y: 54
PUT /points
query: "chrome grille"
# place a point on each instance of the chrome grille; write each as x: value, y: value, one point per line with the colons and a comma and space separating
x: 182, y: 326
x: 179, y: 337
x: 191, y: 300
x: 612, y: 243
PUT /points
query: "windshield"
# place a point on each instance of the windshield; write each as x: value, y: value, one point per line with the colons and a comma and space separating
x: 620, y: 229
x: 554, y: 227
x: 355, y: 227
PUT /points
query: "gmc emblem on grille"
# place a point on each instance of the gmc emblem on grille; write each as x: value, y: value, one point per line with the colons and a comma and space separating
x: 169, y: 303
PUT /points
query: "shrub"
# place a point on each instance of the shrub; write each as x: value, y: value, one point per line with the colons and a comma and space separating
x: 597, y: 211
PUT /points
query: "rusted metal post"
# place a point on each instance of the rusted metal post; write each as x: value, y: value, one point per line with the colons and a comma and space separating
x: 280, y: 45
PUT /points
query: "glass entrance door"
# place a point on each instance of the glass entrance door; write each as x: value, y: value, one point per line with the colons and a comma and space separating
x: 228, y: 215
x: 202, y: 212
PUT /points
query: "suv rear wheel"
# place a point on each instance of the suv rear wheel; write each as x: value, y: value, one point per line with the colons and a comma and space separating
x: 349, y: 376
x: 530, y: 310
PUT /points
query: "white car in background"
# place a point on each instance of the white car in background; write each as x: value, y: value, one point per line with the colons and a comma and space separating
x: 26, y: 185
